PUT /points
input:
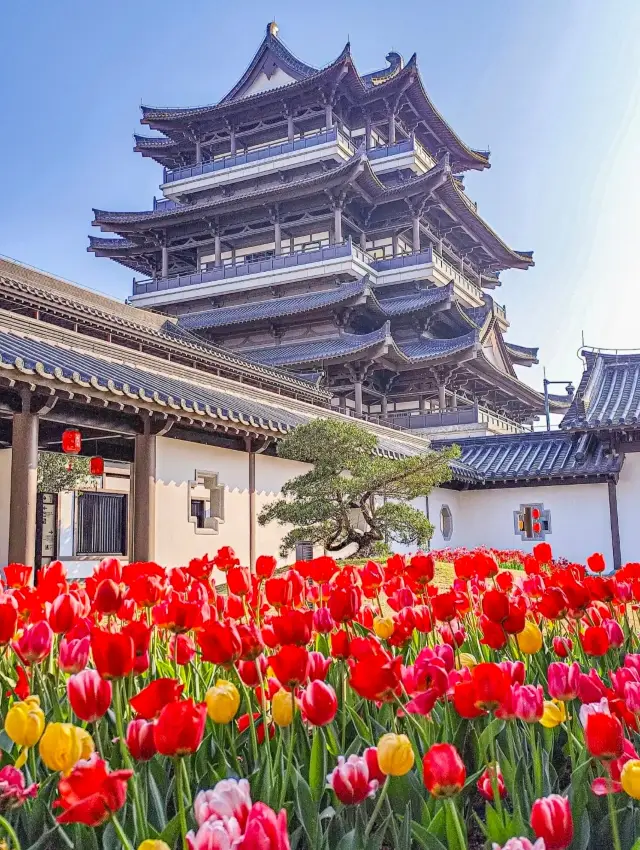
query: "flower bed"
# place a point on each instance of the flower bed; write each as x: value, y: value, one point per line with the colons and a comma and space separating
x: 326, y: 708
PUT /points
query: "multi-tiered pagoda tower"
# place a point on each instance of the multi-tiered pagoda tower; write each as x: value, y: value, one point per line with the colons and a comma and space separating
x: 317, y: 220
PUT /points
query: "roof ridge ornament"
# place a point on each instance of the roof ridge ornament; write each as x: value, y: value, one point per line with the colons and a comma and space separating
x: 273, y: 29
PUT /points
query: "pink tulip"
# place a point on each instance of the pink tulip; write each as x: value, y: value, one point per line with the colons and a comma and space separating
x: 73, y: 655
x: 563, y: 680
x: 350, y: 780
x: 89, y: 695
x: 231, y: 798
x: 528, y: 702
x: 34, y: 644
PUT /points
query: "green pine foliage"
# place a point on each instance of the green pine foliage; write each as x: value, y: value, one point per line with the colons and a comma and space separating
x: 58, y: 473
x: 353, y: 495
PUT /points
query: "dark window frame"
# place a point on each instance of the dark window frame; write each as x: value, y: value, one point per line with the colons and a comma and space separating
x: 92, y: 542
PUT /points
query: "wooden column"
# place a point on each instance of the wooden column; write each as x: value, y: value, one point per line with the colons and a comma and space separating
x: 384, y: 405
x: 277, y: 234
x: 392, y: 128
x: 363, y: 241
x: 232, y: 142
x: 328, y: 116
x: 198, y: 151
x: 252, y: 503
x: 144, y: 495
x: 615, y: 525
x: 337, y: 223
x: 454, y: 400
x: 422, y: 404
x: 24, y: 488
x: 394, y: 244
x: 165, y: 261
x: 367, y: 134
x: 218, y: 248
x: 357, y: 393
x: 416, y: 233
x: 290, y: 128
x: 442, y: 402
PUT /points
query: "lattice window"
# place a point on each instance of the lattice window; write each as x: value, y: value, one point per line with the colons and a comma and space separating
x: 101, y: 523
x: 206, y: 502
x: 446, y: 522
x: 532, y: 522
x: 304, y: 551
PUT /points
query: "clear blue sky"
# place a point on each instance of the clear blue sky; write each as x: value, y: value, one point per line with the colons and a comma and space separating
x: 551, y: 86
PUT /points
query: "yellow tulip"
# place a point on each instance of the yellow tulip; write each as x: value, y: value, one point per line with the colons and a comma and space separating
x: 465, y: 659
x: 383, y: 627
x: 554, y: 713
x: 223, y: 701
x: 153, y: 844
x: 63, y: 745
x: 282, y: 708
x: 395, y: 754
x: 530, y: 639
x: 630, y: 778
x: 24, y: 722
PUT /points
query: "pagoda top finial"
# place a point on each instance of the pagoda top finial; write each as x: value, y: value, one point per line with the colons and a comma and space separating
x: 273, y: 29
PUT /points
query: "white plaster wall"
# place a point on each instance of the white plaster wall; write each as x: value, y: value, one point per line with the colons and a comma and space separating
x: 176, y: 464
x: 579, y: 519
x: 628, y: 492
x: 263, y: 83
x: 437, y: 498
x: 5, y: 490
x: 271, y: 474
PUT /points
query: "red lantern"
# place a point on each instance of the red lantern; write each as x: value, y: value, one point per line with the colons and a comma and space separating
x: 96, y: 466
x: 71, y: 441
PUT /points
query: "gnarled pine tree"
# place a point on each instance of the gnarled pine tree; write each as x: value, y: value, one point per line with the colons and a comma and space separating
x: 353, y: 494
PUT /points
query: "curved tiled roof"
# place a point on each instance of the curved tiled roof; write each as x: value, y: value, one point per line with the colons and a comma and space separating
x: 399, y: 305
x: 544, y: 455
x: 522, y: 352
x: 432, y: 349
x: 609, y: 392
x: 313, y: 351
x: 274, y: 307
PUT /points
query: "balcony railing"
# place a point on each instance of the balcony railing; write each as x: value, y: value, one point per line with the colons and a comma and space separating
x: 470, y: 415
x: 241, y: 269
x: 173, y: 174
x: 403, y: 260
x: 410, y: 145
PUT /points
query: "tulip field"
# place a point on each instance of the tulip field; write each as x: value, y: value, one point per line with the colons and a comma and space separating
x: 323, y: 707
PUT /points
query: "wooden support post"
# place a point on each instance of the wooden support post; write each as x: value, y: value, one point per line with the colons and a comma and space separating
x: 615, y: 525
x: 394, y: 244
x: 392, y: 128
x: 357, y: 393
x: 24, y: 488
x: 252, y: 504
x: 367, y: 134
x: 442, y: 403
x: 198, y: 151
x: 233, y: 144
x: 165, y: 261
x: 328, y: 115
x: 290, y: 128
x: 416, y: 233
x: 384, y: 405
x: 144, y: 495
x: 337, y: 223
x: 363, y: 241
x: 277, y: 235
x: 218, y: 249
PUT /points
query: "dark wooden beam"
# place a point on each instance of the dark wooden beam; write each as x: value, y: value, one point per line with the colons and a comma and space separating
x: 615, y: 525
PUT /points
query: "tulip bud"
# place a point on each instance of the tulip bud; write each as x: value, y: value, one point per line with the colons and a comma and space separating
x: 530, y: 639
x: 383, y: 627
x: 153, y: 844
x: 351, y: 781
x: 562, y: 646
x: 395, y: 754
x: 223, y: 701
x: 319, y: 703
x: 554, y: 714
x: 444, y: 771
x: 630, y: 778
x: 63, y: 745
x: 282, y: 708
x: 34, y: 644
x: 24, y: 722
x: 140, y: 741
x: 552, y: 821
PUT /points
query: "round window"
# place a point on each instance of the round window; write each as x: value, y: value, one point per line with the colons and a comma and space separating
x: 446, y: 522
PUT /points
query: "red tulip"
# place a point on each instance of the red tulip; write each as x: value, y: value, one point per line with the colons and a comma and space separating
x: 464, y: 700
x: 323, y: 622
x: 8, y: 618
x: 595, y: 641
x: 552, y: 821
x: 562, y: 646
x: 376, y: 676
x: 73, y: 655
x: 542, y: 553
x: 291, y: 665
x: 179, y: 614
x: 563, y: 680
x: 351, y: 781
x: 239, y: 581
x: 17, y: 575
x: 293, y: 626
x: 140, y: 634
x: 249, y: 671
x: 150, y: 701
x: 614, y: 633
x: 318, y: 666
x: 444, y: 606
x: 179, y: 728
x: 340, y: 644
x: 108, y: 597
x: 265, y: 566
x: 220, y: 642
x: 486, y: 781
x: 112, y: 653
x: 495, y: 605
x: 596, y: 563
x: 279, y: 591
x: 421, y: 568
x: 604, y: 736
x: 319, y: 703
x: 493, y: 634
x: 63, y: 613
x: 182, y: 649
x: 140, y: 739
x: 265, y: 830
x: 243, y: 724
x: 89, y: 695
x: 34, y: 644
x: 91, y: 794
x: 344, y: 603
x: 320, y: 570
x: 491, y: 685
x: 444, y: 770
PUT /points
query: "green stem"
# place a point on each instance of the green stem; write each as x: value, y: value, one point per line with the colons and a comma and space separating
x: 613, y: 817
x: 343, y: 735
x: 118, y: 695
x: 494, y: 778
x: 376, y: 811
x: 462, y: 841
x: 180, y: 802
x: 6, y: 826
x: 537, y: 764
x: 265, y: 722
x: 121, y: 833
x: 287, y: 776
